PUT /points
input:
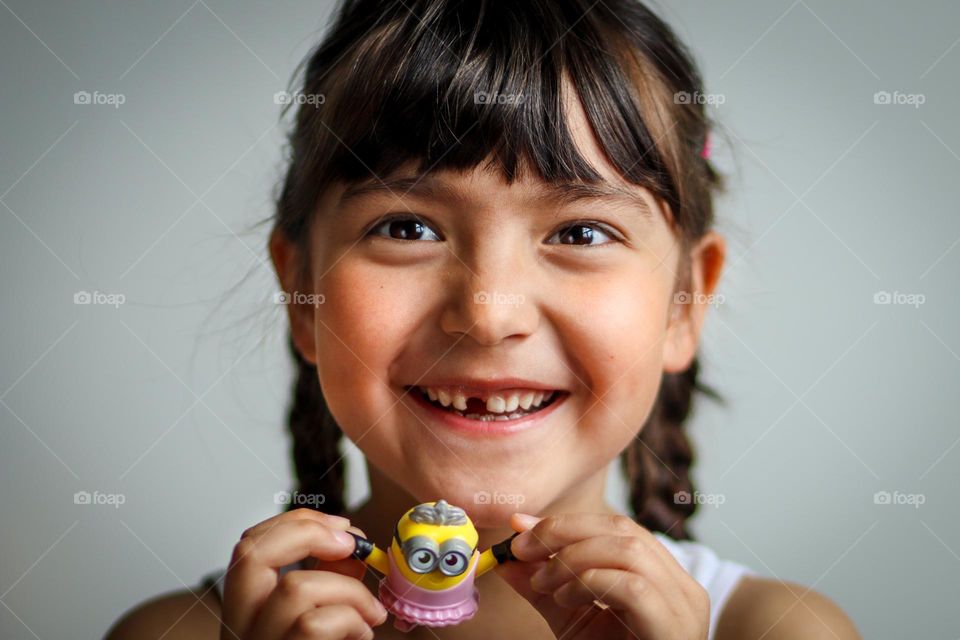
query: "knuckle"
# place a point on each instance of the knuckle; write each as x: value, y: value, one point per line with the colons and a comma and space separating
x: 244, y: 552
x: 310, y: 624
x: 633, y: 546
x: 635, y: 586
x: 548, y: 527
x: 291, y: 584
x: 589, y: 575
x: 622, y: 524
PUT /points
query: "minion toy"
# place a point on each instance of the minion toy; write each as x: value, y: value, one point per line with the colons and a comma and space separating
x: 430, y: 566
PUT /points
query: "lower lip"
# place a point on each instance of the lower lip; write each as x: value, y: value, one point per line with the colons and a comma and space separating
x: 484, y: 427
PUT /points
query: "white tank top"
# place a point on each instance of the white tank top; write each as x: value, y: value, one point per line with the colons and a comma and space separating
x: 719, y: 577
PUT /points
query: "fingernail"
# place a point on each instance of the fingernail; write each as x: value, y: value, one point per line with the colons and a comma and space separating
x: 344, y: 538
x: 527, y: 520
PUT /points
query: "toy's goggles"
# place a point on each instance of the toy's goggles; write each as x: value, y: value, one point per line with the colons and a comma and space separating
x: 423, y: 554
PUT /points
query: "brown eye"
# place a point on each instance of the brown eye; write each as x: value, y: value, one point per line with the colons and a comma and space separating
x: 582, y: 234
x: 404, y: 228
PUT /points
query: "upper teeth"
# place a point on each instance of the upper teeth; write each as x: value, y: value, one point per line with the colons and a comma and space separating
x: 497, y: 402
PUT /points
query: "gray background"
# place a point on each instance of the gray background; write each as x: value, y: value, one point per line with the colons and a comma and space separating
x: 175, y: 399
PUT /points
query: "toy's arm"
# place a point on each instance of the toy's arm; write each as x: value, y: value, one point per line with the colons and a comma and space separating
x: 497, y: 554
x: 371, y: 554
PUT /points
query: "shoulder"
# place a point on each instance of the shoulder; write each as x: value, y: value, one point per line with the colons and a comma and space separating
x: 179, y: 614
x: 761, y: 607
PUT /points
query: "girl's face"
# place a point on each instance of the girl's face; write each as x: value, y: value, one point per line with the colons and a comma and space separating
x: 564, y: 291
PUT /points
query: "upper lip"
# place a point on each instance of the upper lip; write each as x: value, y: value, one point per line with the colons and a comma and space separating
x: 488, y: 385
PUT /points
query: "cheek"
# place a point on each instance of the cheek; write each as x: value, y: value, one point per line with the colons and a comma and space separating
x: 618, y: 335
x: 365, y: 320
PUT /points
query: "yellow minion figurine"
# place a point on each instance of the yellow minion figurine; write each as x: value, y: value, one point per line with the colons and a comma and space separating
x: 430, y: 566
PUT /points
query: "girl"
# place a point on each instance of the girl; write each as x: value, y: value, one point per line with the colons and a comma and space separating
x: 495, y: 234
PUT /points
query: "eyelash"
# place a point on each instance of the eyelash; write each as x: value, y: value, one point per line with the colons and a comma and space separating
x: 592, y: 224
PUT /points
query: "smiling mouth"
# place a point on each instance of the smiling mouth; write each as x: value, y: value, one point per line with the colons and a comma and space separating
x: 480, y: 410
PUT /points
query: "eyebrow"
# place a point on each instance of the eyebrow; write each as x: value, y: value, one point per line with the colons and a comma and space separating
x: 563, y: 193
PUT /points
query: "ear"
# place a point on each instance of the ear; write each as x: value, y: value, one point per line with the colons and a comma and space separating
x: 286, y: 257
x: 688, y: 306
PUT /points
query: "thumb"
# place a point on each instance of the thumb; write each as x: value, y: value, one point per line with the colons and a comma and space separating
x: 517, y: 574
x: 350, y: 567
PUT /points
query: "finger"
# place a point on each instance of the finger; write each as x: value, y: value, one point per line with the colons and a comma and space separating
x: 253, y: 569
x: 351, y: 567
x: 300, y: 591
x: 629, y: 553
x: 336, y: 522
x: 553, y: 532
x: 335, y: 621
x: 629, y: 594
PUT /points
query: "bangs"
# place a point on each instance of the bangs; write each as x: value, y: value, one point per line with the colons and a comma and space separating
x: 451, y: 86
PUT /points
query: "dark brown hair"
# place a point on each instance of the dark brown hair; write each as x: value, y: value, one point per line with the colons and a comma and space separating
x: 399, y: 82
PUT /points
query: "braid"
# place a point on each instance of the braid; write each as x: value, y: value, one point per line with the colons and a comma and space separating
x: 658, y: 460
x: 316, y: 438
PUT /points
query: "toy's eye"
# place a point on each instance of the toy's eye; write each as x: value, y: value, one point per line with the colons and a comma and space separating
x: 421, y: 553
x: 453, y: 563
x: 422, y: 560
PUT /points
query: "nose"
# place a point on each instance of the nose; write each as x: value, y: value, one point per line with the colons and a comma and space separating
x: 491, y: 302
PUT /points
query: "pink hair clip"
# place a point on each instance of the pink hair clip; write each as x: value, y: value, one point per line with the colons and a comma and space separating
x: 705, y: 152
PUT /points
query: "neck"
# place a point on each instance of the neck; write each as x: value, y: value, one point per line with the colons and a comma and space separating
x: 388, y: 502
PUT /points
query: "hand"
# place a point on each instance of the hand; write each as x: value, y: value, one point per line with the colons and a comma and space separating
x: 568, y: 561
x: 326, y: 601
